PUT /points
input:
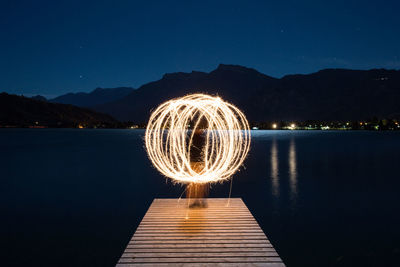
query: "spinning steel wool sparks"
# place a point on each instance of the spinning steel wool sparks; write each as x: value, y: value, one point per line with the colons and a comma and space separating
x: 170, y: 133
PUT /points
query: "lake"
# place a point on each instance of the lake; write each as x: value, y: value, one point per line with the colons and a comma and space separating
x: 71, y: 197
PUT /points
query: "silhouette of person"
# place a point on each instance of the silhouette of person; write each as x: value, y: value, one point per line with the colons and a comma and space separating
x: 198, y: 191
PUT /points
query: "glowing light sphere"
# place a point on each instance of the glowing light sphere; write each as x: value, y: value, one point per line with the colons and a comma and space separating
x: 170, y: 132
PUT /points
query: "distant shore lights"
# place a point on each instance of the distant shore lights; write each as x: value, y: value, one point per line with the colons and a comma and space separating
x: 168, y: 138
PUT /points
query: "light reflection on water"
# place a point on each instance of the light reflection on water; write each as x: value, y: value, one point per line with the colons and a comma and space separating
x: 292, y: 170
x: 274, y: 168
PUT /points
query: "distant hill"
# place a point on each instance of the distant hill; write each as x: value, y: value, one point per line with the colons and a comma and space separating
x: 330, y: 94
x: 96, y: 97
x: 39, y: 97
x: 23, y: 112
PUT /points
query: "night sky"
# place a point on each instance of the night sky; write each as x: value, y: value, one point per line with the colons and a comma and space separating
x: 55, y: 47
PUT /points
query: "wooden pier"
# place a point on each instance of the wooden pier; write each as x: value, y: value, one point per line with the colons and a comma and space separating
x: 223, y: 234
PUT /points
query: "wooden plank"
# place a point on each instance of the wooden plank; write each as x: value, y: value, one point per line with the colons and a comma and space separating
x: 203, y: 228
x: 216, y: 264
x: 196, y: 231
x: 202, y: 217
x: 198, y: 254
x: 198, y: 250
x: 222, y: 234
x: 198, y: 224
x: 200, y: 246
x: 201, y: 241
x: 199, y: 238
x: 201, y: 259
x: 202, y: 233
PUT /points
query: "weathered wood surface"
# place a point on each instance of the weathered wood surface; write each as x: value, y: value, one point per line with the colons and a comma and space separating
x: 172, y: 234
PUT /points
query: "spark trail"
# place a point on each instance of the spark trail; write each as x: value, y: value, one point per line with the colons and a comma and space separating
x: 170, y: 132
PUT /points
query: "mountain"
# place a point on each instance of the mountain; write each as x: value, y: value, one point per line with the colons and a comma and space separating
x: 39, y: 97
x: 96, y: 97
x: 21, y: 111
x: 330, y: 94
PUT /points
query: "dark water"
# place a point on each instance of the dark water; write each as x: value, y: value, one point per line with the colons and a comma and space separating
x: 75, y: 197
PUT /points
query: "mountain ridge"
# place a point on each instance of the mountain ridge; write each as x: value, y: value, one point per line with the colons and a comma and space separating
x: 96, y: 97
x: 20, y: 111
x: 328, y: 94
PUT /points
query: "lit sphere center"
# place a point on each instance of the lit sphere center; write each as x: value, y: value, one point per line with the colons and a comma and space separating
x: 171, y: 130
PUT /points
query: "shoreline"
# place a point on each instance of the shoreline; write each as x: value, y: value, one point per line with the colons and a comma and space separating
x: 119, y: 128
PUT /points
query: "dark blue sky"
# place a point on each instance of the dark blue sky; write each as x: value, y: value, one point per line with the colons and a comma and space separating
x: 54, y: 47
